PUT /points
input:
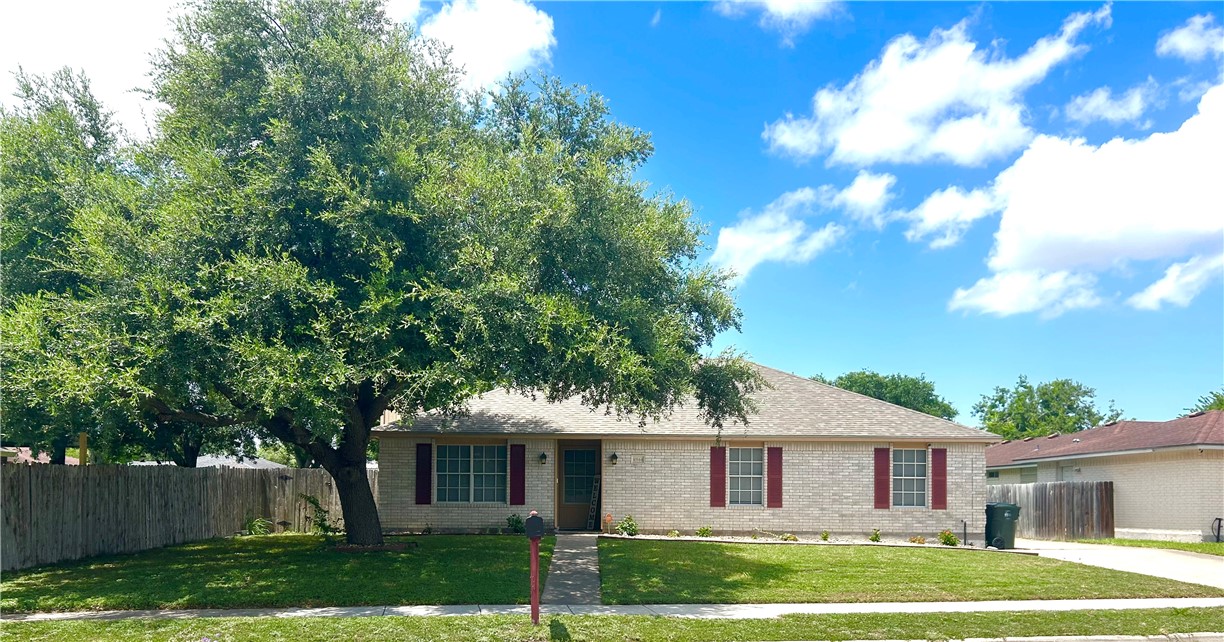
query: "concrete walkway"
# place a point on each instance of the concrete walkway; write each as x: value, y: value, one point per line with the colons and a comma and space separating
x: 573, y: 574
x: 1183, y: 566
x: 700, y: 611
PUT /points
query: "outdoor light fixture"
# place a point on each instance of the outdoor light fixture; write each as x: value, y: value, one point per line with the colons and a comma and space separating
x: 613, y: 459
x: 543, y: 458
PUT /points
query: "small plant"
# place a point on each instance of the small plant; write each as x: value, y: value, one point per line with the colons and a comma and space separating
x: 428, y: 530
x: 256, y: 525
x: 948, y: 538
x: 754, y: 535
x: 516, y: 524
x: 673, y: 533
x: 788, y: 537
x: 824, y: 536
x: 705, y: 531
x: 627, y: 526
x: 320, y: 521
x: 917, y: 539
x: 875, y: 535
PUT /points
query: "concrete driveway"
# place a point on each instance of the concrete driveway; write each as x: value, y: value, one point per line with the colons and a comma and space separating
x: 1196, y: 568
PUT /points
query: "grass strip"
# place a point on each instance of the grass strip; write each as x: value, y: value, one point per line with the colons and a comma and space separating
x: 1210, y: 548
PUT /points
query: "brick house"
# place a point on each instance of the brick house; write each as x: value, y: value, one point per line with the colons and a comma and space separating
x: 813, y: 458
x: 1168, y: 475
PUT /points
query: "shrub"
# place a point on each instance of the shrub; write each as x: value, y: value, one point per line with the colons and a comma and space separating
x: 948, y: 538
x: 824, y: 536
x: 705, y: 531
x: 917, y: 539
x: 627, y: 526
x: 875, y: 535
x: 515, y: 524
x: 256, y: 525
x: 788, y: 537
x: 320, y: 521
x: 673, y: 533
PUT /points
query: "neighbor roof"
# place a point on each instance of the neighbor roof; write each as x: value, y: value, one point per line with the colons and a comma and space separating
x: 794, y: 407
x: 1200, y: 429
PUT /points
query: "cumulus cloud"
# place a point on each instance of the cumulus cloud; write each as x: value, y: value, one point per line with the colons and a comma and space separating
x: 788, y: 17
x: 947, y: 215
x: 866, y: 198
x: 941, y: 99
x: 1071, y: 210
x: 1101, y: 105
x: 492, y: 38
x: 1194, y: 40
x: 776, y: 233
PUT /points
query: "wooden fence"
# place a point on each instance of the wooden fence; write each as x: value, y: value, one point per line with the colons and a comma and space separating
x: 55, y: 513
x: 1060, y: 510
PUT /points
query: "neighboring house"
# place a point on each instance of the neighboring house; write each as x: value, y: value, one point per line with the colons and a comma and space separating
x: 213, y: 461
x: 1168, y: 475
x: 23, y: 455
x: 813, y: 458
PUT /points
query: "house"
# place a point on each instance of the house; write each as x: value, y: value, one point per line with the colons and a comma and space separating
x: 814, y: 458
x: 24, y: 455
x: 1168, y: 476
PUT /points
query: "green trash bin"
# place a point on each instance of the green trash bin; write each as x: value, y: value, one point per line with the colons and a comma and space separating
x: 1001, y: 521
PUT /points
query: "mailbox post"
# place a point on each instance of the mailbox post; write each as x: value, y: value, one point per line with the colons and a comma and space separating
x: 535, y: 530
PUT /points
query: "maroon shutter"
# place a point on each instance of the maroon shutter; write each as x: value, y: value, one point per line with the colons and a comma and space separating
x: 424, y: 473
x: 774, y: 483
x: 718, y: 476
x: 518, y: 474
x: 939, y: 478
x: 882, y: 478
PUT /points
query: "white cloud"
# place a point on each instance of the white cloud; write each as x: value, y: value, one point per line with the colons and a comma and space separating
x: 788, y: 17
x: 1180, y: 283
x: 938, y: 99
x: 947, y: 215
x: 657, y: 18
x: 1194, y: 40
x: 1100, y: 104
x: 492, y: 38
x: 866, y: 197
x: 777, y: 233
x: 1071, y: 210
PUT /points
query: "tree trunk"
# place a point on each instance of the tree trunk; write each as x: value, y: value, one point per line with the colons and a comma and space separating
x: 361, y: 524
x: 59, y: 447
x: 189, y: 453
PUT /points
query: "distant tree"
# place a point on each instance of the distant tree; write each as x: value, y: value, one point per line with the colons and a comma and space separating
x: 1058, y: 406
x: 1210, y: 401
x: 915, y: 393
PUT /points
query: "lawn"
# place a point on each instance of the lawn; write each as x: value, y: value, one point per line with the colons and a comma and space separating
x: 663, y: 572
x: 284, y: 570
x: 1210, y: 548
x: 894, y: 626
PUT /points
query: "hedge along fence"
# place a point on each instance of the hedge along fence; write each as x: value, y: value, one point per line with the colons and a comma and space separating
x: 56, y: 513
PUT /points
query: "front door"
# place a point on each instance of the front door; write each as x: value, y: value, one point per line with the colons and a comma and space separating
x: 580, y: 463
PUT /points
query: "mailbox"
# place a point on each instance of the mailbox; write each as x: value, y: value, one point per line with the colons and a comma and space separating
x: 534, y: 526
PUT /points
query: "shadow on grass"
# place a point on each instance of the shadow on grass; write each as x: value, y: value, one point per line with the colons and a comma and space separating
x: 558, y: 631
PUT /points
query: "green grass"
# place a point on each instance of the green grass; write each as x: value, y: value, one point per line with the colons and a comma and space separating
x: 902, y: 626
x: 662, y: 572
x: 1210, y: 548
x: 284, y: 570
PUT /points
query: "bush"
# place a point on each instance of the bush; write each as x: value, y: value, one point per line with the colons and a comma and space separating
x: 256, y: 525
x: 705, y: 531
x: 917, y: 539
x: 824, y: 536
x: 515, y: 524
x: 788, y: 537
x: 875, y: 535
x: 320, y: 521
x: 627, y: 526
x: 673, y: 533
x: 948, y: 538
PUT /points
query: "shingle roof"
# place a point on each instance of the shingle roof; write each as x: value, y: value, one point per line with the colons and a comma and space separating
x: 794, y: 407
x: 1200, y: 429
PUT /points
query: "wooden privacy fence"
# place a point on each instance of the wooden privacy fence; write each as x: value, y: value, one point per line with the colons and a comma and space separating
x: 1060, y: 510
x: 55, y: 513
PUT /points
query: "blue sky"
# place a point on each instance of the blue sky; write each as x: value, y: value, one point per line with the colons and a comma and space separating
x: 969, y: 191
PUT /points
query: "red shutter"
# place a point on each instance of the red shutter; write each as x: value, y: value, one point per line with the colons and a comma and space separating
x: 518, y: 474
x: 882, y: 478
x: 718, y: 476
x: 773, y: 486
x: 939, y: 478
x: 424, y: 473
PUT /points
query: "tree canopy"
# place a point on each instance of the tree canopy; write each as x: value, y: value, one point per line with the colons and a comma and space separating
x: 1211, y: 401
x: 915, y: 393
x: 1027, y: 410
x: 325, y: 226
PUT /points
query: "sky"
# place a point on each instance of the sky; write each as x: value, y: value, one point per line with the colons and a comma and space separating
x: 966, y: 191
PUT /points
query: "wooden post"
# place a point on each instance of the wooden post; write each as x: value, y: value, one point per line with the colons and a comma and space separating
x: 83, y: 456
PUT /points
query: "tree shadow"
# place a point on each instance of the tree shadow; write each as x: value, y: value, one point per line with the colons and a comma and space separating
x: 558, y: 631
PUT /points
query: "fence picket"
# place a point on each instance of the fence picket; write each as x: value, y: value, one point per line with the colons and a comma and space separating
x: 1060, y: 510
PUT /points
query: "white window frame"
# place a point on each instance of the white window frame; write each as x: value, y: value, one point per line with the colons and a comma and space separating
x: 500, y: 460
x: 742, y: 471
x: 908, y: 486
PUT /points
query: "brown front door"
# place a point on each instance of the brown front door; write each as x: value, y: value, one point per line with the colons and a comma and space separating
x: 580, y: 464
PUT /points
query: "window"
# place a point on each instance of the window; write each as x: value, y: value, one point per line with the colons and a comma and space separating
x: 747, y: 469
x: 472, y: 474
x: 909, y: 477
x: 579, y: 468
x: 992, y: 474
x: 1028, y: 475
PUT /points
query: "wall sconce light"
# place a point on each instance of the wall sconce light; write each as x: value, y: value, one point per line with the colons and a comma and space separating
x: 543, y: 458
x: 613, y: 459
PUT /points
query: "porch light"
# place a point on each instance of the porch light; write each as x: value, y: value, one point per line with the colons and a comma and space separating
x: 543, y: 458
x: 613, y: 459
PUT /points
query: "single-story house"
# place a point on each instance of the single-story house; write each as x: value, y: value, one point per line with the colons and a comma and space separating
x: 813, y: 458
x: 1168, y: 476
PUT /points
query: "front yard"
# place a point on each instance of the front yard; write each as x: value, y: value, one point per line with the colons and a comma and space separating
x: 671, y: 572
x: 1210, y: 548
x: 284, y: 570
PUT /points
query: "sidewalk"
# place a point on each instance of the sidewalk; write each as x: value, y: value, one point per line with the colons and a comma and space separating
x: 1183, y: 566
x: 702, y: 611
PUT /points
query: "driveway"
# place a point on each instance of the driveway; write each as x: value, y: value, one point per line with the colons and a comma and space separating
x: 1196, y: 568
